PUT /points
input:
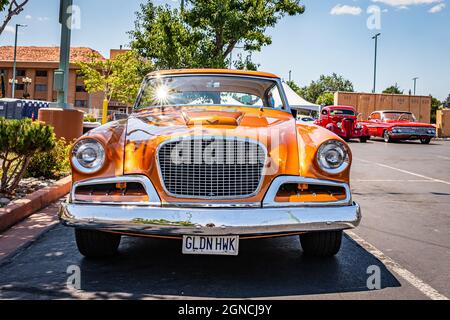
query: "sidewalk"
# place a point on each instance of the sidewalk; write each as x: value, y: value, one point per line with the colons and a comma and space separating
x: 26, y: 232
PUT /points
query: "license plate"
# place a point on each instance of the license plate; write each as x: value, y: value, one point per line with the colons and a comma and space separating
x: 211, y: 245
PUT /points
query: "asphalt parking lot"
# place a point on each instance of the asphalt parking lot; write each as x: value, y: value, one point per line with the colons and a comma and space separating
x: 404, y: 190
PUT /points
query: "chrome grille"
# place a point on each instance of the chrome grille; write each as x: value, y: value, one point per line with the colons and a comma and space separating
x: 211, y: 167
x: 414, y: 130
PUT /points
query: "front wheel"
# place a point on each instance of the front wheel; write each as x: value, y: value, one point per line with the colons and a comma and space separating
x: 96, y: 244
x: 321, y: 244
x: 425, y: 141
x: 387, y: 137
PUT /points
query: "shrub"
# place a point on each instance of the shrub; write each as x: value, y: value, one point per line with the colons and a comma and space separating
x: 89, y: 118
x: 20, y: 140
x: 53, y: 164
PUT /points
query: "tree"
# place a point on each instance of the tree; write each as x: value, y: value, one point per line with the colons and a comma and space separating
x: 119, y: 78
x: 206, y: 32
x: 435, y: 106
x: 325, y: 84
x: 446, y: 102
x: 395, y: 89
x: 13, y: 8
x: 326, y: 99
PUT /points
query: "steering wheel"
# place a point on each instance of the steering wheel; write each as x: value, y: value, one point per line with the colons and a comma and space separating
x: 402, y: 116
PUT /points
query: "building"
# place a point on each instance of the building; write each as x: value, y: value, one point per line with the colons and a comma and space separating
x: 39, y: 65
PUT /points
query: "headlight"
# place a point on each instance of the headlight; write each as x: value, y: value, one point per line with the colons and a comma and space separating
x: 358, y: 126
x: 339, y: 124
x: 88, y: 156
x: 431, y: 131
x: 333, y: 157
x: 396, y: 130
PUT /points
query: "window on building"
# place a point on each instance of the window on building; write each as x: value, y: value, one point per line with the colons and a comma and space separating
x: 41, y: 88
x: 42, y: 73
x: 80, y: 103
x: 80, y: 89
x: 20, y: 86
x: 21, y: 73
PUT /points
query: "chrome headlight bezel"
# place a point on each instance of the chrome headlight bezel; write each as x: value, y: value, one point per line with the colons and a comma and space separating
x: 339, y: 149
x: 88, y: 156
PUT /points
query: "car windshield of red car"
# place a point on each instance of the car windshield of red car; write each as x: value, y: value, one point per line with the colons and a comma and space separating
x: 210, y: 90
x: 397, y: 116
x: 342, y: 112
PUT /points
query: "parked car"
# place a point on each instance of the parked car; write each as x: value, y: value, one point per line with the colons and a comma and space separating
x: 306, y: 119
x: 399, y: 125
x: 210, y: 174
x: 342, y: 120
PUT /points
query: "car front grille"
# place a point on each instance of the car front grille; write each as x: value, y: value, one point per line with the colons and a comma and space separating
x: 211, y: 167
x: 414, y: 130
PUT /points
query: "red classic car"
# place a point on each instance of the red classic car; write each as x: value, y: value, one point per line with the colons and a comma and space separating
x: 399, y: 125
x: 342, y: 120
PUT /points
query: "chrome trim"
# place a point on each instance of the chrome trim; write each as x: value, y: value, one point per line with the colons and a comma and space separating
x: 269, y: 199
x: 251, y: 221
x: 154, y: 199
x: 177, y: 139
x: 211, y: 205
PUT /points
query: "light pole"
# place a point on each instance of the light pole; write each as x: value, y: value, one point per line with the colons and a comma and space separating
x: 290, y: 75
x: 415, y: 84
x: 375, y: 37
x: 26, y: 82
x: 15, y: 60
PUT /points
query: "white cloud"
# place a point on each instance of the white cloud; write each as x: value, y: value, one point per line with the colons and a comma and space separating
x: 437, y: 8
x: 406, y: 3
x: 41, y: 19
x: 10, y: 29
x: 344, y: 9
x: 28, y: 17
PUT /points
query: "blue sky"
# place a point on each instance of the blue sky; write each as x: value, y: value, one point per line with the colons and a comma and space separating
x: 332, y: 36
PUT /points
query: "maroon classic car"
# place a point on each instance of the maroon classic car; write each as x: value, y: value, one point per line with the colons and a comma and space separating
x: 399, y: 125
x: 342, y: 120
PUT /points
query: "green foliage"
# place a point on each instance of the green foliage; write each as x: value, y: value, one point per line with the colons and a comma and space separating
x: 9, y: 9
x: 446, y: 102
x: 326, y: 99
x: 119, y: 78
x: 3, y: 4
x: 245, y: 63
x: 206, y: 31
x: 395, y: 89
x: 89, y: 118
x: 435, y: 106
x: 51, y: 164
x: 20, y: 140
x: 325, y: 84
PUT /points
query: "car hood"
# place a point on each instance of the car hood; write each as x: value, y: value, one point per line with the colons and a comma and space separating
x: 147, y: 129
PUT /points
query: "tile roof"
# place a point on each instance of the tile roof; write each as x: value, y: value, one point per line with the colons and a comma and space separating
x: 44, y: 54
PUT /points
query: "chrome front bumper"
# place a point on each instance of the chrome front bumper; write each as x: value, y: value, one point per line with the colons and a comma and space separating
x: 141, y: 220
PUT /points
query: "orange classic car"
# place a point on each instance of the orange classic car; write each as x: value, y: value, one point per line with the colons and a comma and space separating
x: 210, y: 158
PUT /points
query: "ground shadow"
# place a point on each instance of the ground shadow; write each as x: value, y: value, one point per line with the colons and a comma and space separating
x: 150, y: 267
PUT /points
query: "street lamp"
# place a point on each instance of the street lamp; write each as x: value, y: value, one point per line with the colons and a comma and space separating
x: 415, y: 84
x: 15, y: 58
x: 26, y: 82
x: 375, y: 37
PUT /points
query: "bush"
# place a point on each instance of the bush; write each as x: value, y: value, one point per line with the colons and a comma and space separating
x: 89, y: 118
x: 52, y: 164
x: 20, y: 140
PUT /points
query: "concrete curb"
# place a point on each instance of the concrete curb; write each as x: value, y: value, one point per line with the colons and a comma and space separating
x: 23, y: 208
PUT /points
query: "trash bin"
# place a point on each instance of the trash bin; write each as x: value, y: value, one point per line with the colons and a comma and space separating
x: 3, y: 106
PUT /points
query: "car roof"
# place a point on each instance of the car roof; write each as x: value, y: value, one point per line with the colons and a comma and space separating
x: 213, y: 71
x: 392, y: 111
x: 341, y: 107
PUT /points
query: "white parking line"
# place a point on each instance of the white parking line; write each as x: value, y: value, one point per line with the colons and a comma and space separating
x: 361, y: 180
x: 417, y: 283
x: 404, y: 171
x: 445, y: 158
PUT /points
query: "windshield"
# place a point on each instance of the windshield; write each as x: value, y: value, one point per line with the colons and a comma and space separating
x: 208, y: 90
x: 337, y: 112
x: 406, y: 116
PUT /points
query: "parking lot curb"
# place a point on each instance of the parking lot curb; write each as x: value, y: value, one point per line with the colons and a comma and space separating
x: 20, y: 209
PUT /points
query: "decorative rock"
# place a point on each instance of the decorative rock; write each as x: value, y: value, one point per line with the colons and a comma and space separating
x: 4, y: 201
